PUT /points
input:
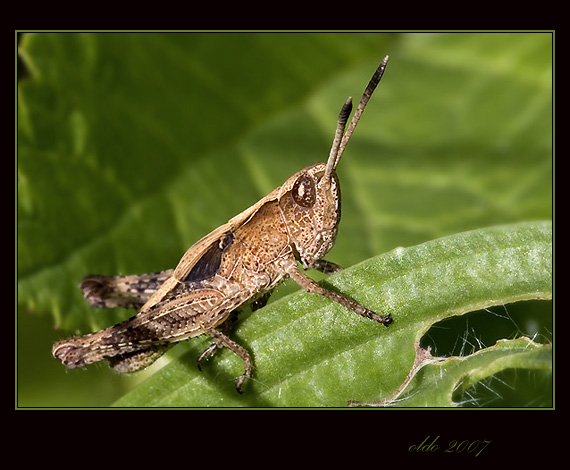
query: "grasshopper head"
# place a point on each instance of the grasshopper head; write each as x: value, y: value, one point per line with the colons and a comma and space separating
x: 311, y: 207
x: 310, y: 200
x: 311, y: 204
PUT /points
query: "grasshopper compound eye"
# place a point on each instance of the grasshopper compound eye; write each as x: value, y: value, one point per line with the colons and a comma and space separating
x: 304, y: 193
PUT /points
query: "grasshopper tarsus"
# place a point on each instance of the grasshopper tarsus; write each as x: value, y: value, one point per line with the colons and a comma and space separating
x: 239, y: 384
x: 240, y: 262
x: 385, y: 320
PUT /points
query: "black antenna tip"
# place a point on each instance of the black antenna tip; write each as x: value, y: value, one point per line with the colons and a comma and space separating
x: 346, y: 110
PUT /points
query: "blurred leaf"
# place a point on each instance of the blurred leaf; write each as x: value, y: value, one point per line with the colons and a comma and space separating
x: 132, y: 146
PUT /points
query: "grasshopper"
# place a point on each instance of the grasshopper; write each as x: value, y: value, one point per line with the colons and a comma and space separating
x: 239, y: 263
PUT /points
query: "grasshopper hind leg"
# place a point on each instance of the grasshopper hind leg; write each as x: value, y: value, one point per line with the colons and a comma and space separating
x: 83, y: 350
x: 121, y: 291
x: 138, y: 360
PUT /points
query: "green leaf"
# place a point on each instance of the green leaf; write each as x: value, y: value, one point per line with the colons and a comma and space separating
x: 311, y: 352
x: 132, y: 146
x: 434, y: 381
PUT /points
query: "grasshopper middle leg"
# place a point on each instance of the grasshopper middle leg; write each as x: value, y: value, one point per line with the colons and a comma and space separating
x: 220, y: 341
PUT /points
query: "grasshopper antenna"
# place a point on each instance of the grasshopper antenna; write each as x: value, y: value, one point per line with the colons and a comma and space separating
x: 341, y: 124
x: 340, y: 144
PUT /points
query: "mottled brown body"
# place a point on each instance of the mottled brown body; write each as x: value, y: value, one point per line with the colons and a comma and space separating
x: 236, y: 264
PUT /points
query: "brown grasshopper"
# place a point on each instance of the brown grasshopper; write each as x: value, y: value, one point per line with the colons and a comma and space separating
x: 239, y: 263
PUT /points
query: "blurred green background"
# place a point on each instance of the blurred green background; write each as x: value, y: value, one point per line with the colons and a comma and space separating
x: 131, y: 146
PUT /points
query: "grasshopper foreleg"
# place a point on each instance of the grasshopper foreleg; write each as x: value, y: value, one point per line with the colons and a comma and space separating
x: 311, y: 286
